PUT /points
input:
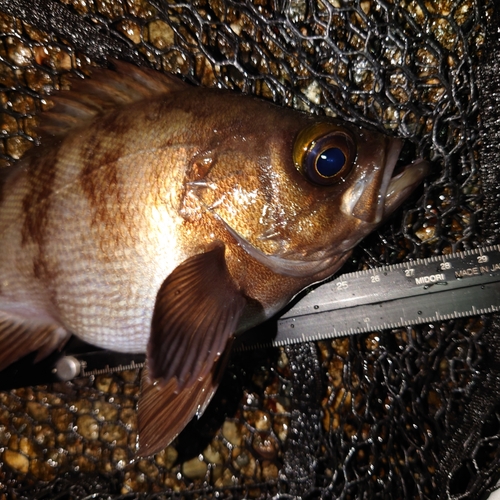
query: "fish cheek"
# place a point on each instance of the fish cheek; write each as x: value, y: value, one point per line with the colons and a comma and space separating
x: 197, y: 311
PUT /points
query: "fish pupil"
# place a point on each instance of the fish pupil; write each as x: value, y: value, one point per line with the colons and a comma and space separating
x: 330, y: 162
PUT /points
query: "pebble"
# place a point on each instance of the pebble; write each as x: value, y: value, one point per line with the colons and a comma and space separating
x: 88, y: 427
x: 16, y: 461
x: 194, y: 468
x: 231, y: 432
x: 167, y: 457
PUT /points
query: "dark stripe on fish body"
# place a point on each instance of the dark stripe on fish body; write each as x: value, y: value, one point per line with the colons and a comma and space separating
x: 36, y: 205
x: 100, y: 181
x: 99, y: 173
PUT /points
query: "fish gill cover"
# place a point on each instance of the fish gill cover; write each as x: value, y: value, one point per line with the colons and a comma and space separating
x: 408, y: 413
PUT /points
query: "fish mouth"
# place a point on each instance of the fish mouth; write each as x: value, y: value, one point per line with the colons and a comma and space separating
x: 403, y: 182
x: 381, y: 191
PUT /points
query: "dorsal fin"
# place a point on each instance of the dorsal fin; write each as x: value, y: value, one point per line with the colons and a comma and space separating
x: 106, y: 89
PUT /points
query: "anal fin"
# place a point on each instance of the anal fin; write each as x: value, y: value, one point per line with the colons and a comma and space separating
x: 20, y: 336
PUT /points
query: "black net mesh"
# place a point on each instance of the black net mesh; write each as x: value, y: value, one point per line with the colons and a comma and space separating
x: 412, y: 413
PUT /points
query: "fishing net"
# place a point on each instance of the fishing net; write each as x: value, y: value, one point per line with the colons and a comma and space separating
x: 409, y: 413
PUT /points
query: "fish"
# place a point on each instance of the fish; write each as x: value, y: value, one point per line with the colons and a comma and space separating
x: 162, y: 218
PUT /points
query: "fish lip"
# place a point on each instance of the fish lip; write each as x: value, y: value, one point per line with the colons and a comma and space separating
x: 394, y: 186
x: 393, y: 152
x: 392, y: 155
x: 369, y: 206
x: 403, y: 183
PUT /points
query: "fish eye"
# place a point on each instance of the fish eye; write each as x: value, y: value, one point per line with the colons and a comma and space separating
x: 324, y: 153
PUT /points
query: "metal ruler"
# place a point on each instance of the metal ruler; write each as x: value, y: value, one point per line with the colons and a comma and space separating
x: 420, y: 291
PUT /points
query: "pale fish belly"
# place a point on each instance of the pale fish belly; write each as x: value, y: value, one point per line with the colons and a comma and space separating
x: 109, y: 277
x: 95, y: 261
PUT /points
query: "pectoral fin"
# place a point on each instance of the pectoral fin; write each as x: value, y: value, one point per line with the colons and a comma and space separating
x: 197, y: 310
x: 196, y: 313
x: 20, y: 336
x: 164, y: 410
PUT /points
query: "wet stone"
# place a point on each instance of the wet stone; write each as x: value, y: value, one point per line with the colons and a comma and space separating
x: 81, y: 406
x: 83, y: 464
x: 62, y: 419
x: 131, y: 390
x: 135, y: 481
x: 38, y: 411
x: 129, y: 376
x: 212, y: 455
x: 262, y: 421
x: 167, y: 457
x: 148, y: 468
x: 131, y: 30
x: 160, y: 34
x: 22, y: 424
x: 52, y: 57
x: 28, y: 447
x: 227, y: 480
x: 105, y: 411
x: 341, y: 346
x: 45, y: 471
x: 128, y: 416
x: 72, y: 443
x: 114, y: 433
x: 18, y: 52
x: 50, y: 398
x: 8, y: 124
x: 120, y: 457
x: 249, y: 468
x: 281, y: 426
x: 4, y: 435
x: 194, y: 468
x: 231, y: 432
x: 88, y: 427
x: 269, y: 470
x: 265, y: 445
x: 426, y: 233
x: 114, y: 388
x: 23, y: 105
x: 7, y: 23
x: 140, y: 8
x: 103, y: 383
x: 16, y: 461
x: 110, y: 9
x: 93, y: 450
x: 17, y: 146
x: 242, y: 459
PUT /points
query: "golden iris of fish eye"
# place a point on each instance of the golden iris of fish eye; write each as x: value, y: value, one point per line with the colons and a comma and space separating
x: 308, y: 138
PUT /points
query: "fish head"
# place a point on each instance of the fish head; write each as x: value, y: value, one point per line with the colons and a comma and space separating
x: 299, y: 192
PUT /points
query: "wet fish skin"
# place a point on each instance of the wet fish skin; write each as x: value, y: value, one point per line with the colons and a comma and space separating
x: 161, y: 218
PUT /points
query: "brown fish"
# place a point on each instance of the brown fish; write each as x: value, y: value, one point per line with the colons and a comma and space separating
x: 161, y: 218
